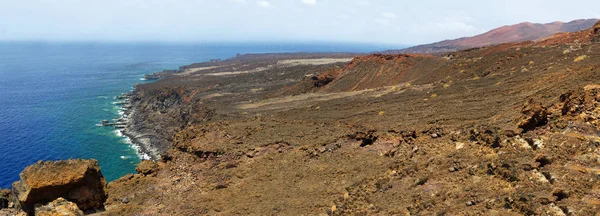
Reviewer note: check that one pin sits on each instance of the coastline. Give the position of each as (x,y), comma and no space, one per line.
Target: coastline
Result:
(142,143)
(124,126)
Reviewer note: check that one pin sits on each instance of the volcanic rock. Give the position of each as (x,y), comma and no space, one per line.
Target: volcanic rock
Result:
(146,167)
(79,181)
(534,115)
(59,207)
(4,198)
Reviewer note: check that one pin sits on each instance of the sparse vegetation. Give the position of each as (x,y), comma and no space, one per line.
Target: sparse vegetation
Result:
(580,58)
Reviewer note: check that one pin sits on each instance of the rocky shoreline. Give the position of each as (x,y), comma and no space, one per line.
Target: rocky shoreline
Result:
(141,142)
(125,125)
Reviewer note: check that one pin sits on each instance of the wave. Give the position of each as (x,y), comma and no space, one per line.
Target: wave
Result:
(103,97)
(136,147)
(119,133)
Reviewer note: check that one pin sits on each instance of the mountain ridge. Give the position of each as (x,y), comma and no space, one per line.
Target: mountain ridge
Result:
(525,31)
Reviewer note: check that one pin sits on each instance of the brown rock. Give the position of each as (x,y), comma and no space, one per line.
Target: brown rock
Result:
(59,207)
(79,181)
(534,115)
(4,198)
(146,167)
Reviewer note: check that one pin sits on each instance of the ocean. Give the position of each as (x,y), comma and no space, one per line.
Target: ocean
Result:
(52,95)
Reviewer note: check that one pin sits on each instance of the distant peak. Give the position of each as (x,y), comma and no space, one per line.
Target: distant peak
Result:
(525,31)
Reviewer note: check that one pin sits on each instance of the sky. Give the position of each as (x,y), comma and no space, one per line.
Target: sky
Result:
(362,21)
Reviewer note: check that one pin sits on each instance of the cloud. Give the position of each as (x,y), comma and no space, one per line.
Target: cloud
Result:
(309,2)
(263,3)
(364,2)
(385,18)
(239,1)
(456,24)
(382,21)
(389,15)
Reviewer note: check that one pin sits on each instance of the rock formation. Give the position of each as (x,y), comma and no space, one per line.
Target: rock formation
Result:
(79,181)
(4,198)
(146,167)
(59,207)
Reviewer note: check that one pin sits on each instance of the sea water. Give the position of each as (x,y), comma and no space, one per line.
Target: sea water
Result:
(52,95)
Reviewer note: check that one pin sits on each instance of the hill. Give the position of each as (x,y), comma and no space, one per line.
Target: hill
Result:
(513,33)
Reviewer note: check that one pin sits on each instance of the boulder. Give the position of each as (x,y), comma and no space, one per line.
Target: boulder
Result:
(59,207)
(533,115)
(79,181)
(146,167)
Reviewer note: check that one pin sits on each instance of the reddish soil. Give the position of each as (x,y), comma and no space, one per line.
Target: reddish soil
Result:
(505,34)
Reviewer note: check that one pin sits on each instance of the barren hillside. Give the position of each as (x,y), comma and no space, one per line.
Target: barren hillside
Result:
(513,33)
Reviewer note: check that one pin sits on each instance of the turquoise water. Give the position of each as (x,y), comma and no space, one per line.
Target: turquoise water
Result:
(53,94)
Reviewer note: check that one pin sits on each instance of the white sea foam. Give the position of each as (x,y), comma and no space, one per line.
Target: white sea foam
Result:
(143,79)
(103,97)
(119,133)
(137,149)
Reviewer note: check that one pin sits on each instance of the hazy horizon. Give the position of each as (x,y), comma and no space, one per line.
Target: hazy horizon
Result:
(320,21)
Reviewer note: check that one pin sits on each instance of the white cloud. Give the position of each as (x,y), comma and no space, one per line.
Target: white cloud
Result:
(309,2)
(385,18)
(456,24)
(263,3)
(363,3)
(382,21)
(389,15)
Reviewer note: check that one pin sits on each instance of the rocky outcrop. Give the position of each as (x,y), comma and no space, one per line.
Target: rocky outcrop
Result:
(59,207)
(4,198)
(159,112)
(534,115)
(146,167)
(79,181)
